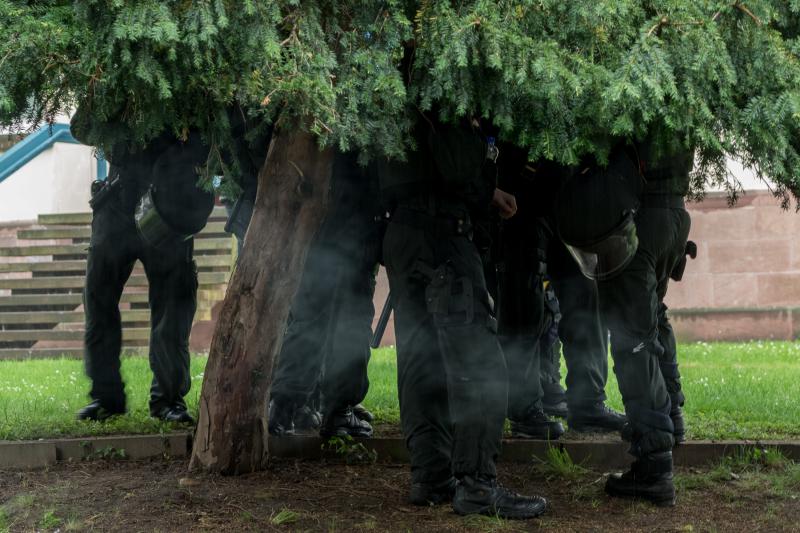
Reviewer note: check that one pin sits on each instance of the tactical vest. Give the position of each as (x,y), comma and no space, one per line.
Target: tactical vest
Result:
(595,200)
(450,161)
(180,201)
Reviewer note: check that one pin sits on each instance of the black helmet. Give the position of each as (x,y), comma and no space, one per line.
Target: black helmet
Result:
(175,207)
(595,216)
(610,254)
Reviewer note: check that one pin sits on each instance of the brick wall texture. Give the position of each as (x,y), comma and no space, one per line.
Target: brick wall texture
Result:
(744,283)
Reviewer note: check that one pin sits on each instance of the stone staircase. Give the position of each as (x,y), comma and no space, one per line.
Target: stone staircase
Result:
(42,271)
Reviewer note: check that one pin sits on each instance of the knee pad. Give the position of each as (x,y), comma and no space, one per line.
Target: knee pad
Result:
(651,429)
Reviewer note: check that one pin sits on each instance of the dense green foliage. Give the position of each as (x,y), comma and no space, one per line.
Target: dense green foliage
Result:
(563,79)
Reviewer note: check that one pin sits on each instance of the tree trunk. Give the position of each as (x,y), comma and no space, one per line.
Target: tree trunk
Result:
(231,435)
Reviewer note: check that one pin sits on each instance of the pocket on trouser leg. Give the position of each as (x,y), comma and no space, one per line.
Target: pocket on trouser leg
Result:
(450,299)
(454,301)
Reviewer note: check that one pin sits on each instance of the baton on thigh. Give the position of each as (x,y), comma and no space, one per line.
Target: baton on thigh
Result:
(380,328)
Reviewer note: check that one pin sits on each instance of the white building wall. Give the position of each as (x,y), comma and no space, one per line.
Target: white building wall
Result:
(56,181)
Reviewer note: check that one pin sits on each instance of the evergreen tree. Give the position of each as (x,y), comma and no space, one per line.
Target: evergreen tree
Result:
(559,78)
(564,80)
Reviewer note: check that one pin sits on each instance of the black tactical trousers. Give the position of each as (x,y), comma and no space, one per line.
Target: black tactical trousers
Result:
(631,304)
(451,372)
(668,361)
(520,321)
(330,322)
(172,276)
(550,351)
(581,331)
(550,372)
(521,310)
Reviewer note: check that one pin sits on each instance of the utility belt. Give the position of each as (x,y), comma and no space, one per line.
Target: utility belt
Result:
(663,200)
(102,191)
(441,223)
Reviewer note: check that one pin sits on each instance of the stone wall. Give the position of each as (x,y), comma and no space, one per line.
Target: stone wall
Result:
(744,283)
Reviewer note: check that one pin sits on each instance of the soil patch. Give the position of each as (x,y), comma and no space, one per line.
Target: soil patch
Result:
(332,496)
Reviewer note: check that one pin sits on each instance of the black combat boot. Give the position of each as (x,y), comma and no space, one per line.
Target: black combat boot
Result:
(99,411)
(536,425)
(650,478)
(482,495)
(306,418)
(432,493)
(281,418)
(361,412)
(596,417)
(344,422)
(177,414)
(558,409)
(554,400)
(679,433)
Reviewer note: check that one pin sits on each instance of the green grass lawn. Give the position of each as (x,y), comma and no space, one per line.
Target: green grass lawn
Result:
(749,390)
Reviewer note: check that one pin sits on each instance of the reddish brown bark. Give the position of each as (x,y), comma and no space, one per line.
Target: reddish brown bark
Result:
(231,435)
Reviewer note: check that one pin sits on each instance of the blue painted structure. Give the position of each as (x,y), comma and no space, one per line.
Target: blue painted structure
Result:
(34,144)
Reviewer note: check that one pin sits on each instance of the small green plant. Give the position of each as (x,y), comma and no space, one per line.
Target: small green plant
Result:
(693,482)
(108,453)
(370,524)
(350,450)
(74,524)
(788,483)
(558,463)
(589,492)
(49,520)
(5,522)
(747,458)
(749,469)
(285,516)
(488,524)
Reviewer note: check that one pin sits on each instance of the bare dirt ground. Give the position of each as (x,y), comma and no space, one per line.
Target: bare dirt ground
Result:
(120,495)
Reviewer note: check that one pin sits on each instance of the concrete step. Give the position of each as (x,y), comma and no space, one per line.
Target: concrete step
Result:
(77,282)
(47,249)
(44,266)
(65,219)
(203,261)
(67,317)
(200,245)
(40,300)
(50,353)
(83,219)
(84,232)
(71,232)
(128,334)
(205,298)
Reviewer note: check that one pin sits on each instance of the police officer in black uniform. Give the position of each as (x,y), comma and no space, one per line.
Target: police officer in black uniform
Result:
(529,251)
(645,227)
(161,179)
(330,321)
(584,339)
(451,372)
(520,263)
